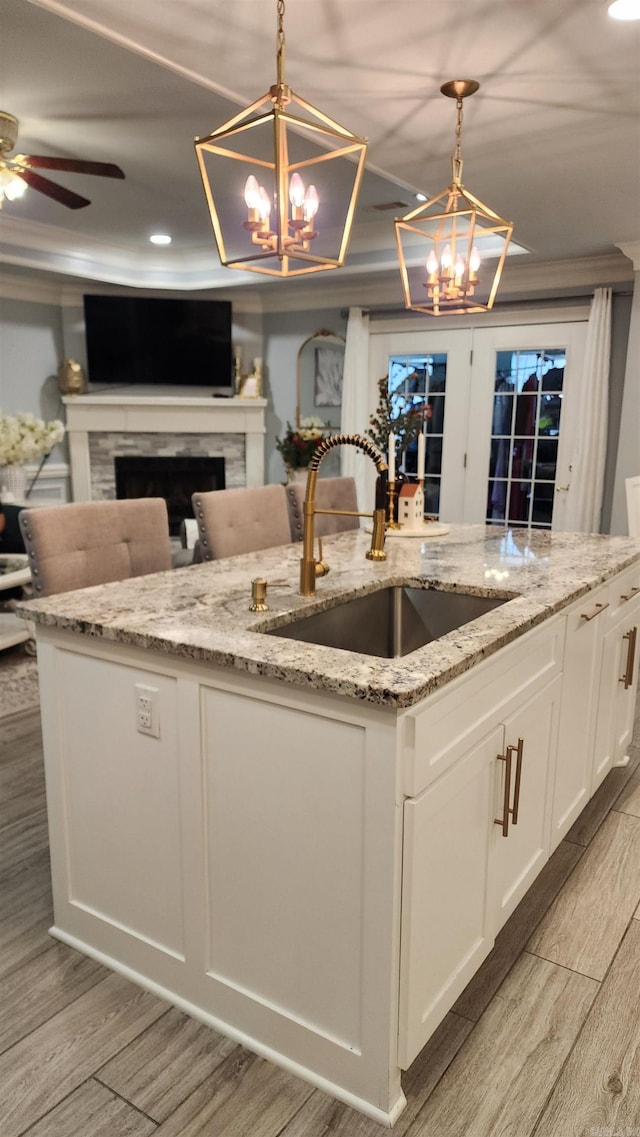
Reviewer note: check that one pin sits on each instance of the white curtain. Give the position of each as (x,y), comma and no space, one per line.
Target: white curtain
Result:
(584,496)
(355,401)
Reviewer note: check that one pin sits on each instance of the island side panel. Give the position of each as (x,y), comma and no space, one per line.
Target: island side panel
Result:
(114,809)
(261,890)
(301,798)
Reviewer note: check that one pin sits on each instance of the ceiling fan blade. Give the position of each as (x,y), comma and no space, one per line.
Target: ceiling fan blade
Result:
(74,165)
(51,189)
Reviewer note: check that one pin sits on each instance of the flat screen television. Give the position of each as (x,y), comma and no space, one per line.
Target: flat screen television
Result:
(151,340)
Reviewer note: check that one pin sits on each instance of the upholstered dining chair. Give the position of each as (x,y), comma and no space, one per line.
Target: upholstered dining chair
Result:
(241,520)
(632,488)
(74,546)
(331,493)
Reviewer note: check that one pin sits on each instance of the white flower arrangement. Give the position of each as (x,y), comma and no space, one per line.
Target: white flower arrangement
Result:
(23,436)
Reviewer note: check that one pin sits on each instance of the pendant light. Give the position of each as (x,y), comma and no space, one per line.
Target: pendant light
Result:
(281,181)
(447,246)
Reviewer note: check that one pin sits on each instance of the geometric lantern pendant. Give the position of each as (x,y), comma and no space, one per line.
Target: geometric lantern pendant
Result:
(452,248)
(281,181)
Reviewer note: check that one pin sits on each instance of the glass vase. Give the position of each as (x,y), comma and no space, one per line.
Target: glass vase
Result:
(297,475)
(13,483)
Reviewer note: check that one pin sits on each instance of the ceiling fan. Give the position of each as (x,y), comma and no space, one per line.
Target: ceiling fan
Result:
(16,173)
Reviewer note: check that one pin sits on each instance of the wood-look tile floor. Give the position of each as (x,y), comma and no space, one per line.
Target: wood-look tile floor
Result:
(544,1041)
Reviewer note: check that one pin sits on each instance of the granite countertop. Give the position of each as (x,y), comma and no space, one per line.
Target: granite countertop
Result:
(202,612)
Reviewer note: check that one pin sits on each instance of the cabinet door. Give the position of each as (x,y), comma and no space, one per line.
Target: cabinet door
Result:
(627,682)
(517,858)
(616,699)
(573,770)
(446,921)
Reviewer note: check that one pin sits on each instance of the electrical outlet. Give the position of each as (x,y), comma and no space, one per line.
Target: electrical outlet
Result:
(147,716)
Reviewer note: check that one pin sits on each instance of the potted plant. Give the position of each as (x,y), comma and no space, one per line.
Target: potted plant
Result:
(398,414)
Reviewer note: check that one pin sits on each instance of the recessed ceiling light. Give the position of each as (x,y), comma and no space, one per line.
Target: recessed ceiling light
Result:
(421,197)
(160,239)
(625,10)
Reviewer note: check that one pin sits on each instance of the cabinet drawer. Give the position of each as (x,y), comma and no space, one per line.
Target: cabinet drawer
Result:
(624,594)
(440,731)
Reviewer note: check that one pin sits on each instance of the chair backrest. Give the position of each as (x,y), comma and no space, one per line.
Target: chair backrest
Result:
(331,493)
(74,546)
(241,521)
(632,487)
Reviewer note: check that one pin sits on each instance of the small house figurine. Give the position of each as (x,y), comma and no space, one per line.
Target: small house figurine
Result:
(411,506)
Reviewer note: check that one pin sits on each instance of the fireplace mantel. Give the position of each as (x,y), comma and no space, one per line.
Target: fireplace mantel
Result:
(139,410)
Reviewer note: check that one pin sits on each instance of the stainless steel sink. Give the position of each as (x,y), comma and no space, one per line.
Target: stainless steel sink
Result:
(391,622)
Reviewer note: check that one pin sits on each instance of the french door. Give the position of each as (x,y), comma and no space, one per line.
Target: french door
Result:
(503,406)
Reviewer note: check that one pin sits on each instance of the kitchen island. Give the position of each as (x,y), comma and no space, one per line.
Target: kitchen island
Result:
(308,848)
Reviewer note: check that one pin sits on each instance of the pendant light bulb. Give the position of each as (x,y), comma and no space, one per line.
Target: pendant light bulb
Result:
(264,205)
(251,192)
(432,264)
(296,191)
(311,203)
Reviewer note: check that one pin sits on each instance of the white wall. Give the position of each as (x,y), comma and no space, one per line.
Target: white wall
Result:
(628,451)
(284,333)
(30,351)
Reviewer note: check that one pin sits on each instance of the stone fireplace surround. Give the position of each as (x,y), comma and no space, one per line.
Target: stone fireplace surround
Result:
(142,420)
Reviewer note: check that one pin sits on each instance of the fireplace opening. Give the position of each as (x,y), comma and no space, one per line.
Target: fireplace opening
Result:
(175,479)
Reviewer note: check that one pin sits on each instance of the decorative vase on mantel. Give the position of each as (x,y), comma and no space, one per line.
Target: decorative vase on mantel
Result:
(13,483)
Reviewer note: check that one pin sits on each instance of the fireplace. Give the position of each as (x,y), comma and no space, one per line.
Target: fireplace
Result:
(175,479)
(144,423)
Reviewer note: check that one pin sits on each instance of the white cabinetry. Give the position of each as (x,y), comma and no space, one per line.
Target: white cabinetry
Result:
(498,766)
(447,924)
(520,844)
(476,837)
(618,674)
(580,685)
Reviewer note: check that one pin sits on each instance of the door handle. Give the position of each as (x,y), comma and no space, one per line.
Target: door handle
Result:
(507,809)
(599,608)
(519,749)
(627,678)
(504,820)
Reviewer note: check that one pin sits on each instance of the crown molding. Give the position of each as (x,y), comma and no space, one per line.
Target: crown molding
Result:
(367,280)
(54,249)
(523,279)
(631,249)
(33,289)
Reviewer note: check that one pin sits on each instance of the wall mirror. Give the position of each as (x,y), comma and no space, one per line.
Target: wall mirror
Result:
(319,378)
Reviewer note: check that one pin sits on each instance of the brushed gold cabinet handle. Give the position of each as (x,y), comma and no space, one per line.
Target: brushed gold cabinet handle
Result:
(504,820)
(630,595)
(519,749)
(627,678)
(599,608)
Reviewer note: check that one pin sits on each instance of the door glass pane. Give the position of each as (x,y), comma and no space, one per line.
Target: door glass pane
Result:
(524,437)
(419,382)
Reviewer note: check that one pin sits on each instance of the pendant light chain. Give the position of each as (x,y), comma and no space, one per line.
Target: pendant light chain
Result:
(456,160)
(281,42)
